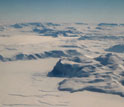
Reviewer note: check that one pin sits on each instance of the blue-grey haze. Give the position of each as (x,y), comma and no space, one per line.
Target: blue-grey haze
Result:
(91,11)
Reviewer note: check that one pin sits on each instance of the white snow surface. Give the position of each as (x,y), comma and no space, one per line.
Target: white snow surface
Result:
(61,65)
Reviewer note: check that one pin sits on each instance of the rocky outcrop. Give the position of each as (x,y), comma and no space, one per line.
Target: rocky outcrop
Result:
(101,74)
(74,67)
(116,48)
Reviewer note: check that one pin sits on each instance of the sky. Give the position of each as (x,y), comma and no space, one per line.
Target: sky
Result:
(90,11)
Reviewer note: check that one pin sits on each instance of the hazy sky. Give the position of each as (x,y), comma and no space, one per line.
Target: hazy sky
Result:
(62,10)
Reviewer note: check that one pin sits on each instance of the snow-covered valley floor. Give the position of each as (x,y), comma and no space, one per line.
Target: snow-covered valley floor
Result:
(25,84)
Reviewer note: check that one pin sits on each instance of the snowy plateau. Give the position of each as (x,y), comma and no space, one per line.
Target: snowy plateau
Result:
(62,65)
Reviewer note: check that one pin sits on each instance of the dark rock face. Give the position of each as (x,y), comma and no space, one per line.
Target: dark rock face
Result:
(46,54)
(17,26)
(73,67)
(1,58)
(30,57)
(107,24)
(20,56)
(116,48)
(54,53)
(100,37)
(53,24)
(109,58)
(65,69)
(73,52)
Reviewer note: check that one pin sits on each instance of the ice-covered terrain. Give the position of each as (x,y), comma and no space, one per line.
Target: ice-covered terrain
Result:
(102,74)
(41,63)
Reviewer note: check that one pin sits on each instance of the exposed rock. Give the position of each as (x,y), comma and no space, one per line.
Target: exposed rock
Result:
(100,37)
(46,54)
(107,24)
(54,53)
(17,26)
(111,60)
(74,67)
(116,48)
(73,52)
(1,58)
